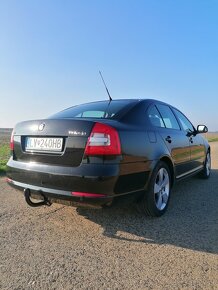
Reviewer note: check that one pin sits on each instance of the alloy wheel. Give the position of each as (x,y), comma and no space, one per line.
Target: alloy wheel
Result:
(162,188)
(208,164)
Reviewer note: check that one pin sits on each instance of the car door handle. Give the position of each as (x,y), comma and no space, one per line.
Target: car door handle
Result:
(168,139)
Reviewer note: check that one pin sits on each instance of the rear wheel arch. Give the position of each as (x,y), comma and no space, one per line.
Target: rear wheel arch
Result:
(170,165)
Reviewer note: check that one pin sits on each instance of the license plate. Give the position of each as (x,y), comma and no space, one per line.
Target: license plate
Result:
(44,144)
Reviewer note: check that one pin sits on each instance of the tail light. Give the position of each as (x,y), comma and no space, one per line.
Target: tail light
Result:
(103,140)
(12,141)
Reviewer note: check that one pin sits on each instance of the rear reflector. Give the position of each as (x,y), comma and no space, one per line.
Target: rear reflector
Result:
(87,194)
(104,140)
(12,141)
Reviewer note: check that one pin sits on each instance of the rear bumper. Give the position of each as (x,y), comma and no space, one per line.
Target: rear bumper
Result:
(58,183)
(84,178)
(58,196)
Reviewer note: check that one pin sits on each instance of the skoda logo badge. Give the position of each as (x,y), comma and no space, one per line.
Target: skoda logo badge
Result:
(41,127)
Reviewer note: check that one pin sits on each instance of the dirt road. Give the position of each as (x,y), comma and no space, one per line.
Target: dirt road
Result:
(60,247)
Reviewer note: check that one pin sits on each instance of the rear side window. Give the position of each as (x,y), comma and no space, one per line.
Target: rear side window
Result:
(168,117)
(99,110)
(155,117)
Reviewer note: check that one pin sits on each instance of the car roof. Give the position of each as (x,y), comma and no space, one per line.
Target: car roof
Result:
(129,100)
(134,101)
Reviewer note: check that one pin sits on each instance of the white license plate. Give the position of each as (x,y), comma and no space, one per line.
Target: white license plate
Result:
(44,144)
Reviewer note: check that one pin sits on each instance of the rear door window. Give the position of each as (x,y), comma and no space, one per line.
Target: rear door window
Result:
(168,117)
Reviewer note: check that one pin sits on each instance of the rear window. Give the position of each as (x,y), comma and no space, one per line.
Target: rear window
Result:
(98,110)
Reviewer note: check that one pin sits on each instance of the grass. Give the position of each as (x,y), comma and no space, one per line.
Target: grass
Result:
(4,156)
(211,137)
(4,149)
(215,139)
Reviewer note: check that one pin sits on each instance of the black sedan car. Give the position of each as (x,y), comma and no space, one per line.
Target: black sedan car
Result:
(95,152)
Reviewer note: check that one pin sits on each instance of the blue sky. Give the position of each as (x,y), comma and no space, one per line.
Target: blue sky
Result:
(51,52)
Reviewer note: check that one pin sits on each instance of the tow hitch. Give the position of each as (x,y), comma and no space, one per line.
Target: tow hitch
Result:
(27,196)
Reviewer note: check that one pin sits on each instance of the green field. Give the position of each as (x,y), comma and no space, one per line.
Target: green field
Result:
(4,156)
(211,137)
(4,148)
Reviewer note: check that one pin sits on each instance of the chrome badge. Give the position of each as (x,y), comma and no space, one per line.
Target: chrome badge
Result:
(41,127)
(77,133)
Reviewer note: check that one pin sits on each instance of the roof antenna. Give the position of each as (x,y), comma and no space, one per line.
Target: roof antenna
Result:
(110,99)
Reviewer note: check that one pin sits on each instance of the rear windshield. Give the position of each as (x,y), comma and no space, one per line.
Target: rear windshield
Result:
(99,110)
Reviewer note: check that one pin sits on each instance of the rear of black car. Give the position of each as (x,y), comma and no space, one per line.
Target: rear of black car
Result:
(74,156)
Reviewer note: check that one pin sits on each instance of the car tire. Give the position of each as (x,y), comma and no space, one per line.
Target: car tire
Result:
(156,198)
(205,173)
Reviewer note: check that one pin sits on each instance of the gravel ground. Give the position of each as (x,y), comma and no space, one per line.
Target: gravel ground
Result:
(61,247)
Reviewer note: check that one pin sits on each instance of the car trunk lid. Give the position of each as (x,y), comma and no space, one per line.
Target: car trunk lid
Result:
(52,141)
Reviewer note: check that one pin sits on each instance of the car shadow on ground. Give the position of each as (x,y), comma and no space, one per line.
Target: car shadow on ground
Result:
(191,220)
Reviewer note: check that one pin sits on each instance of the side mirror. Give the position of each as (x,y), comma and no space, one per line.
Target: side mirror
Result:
(202,129)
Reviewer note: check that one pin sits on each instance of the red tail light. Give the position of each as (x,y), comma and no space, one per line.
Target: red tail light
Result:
(104,140)
(12,141)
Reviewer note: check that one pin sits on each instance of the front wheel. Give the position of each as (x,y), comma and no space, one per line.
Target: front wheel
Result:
(205,173)
(156,199)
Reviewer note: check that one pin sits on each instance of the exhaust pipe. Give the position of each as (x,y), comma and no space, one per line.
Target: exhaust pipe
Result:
(27,196)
